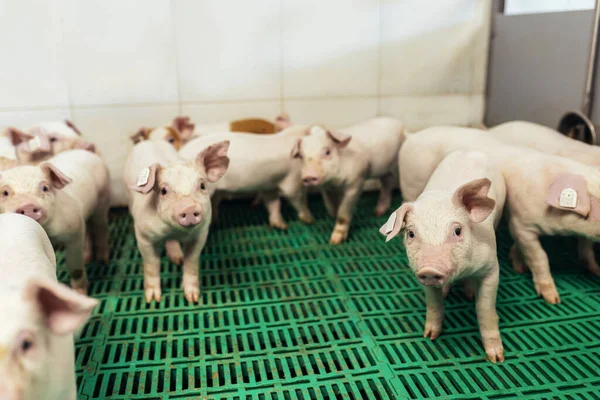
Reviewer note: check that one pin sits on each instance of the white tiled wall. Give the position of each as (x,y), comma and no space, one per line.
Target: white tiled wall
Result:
(115,65)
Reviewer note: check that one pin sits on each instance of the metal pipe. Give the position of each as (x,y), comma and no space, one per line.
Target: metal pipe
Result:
(588,96)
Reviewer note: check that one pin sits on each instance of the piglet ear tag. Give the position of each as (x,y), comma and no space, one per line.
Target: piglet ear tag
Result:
(568,198)
(35,144)
(143,177)
(389,225)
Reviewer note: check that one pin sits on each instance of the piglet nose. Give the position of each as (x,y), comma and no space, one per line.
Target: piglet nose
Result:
(310,180)
(431,277)
(189,216)
(32,211)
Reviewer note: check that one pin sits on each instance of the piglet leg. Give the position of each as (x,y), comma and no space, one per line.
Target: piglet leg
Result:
(191,267)
(332,201)
(257,200)
(88,247)
(517,260)
(273,206)
(344,215)
(486,292)
(299,201)
(537,260)
(434,300)
(74,250)
(296,194)
(588,256)
(215,202)
(385,194)
(99,233)
(151,266)
(174,252)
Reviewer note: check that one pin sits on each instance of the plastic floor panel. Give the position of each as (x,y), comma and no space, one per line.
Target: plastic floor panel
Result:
(286,316)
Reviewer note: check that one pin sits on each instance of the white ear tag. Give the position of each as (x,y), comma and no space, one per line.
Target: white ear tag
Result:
(35,144)
(389,225)
(143,177)
(568,198)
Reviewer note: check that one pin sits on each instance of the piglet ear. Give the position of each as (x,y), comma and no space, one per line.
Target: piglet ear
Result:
(395,222)
(473,197)
(282,121)
(63,309)
(296,150)
(184,126)
(7,163)
(84,145)
(141,135)
(214,160)
(17,136)
(72,126)
(174,137)
(57,178)
(569,192)
(594,209)
(146,179)
(38,144)
(340,139)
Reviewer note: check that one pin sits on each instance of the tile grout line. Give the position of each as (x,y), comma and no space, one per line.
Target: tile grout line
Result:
(176,56)
(281,58)
(221,102)
(379,54)
(62,54)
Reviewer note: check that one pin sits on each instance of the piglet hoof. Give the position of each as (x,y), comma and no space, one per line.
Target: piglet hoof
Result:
(278,224)
(494,350)
(103,256)
(548,291)
(80,286)
(176,259)
(517,260)
(81,290)
(469,292)
(256,202)
(191,291)
(337,237)
(446,290)
(175,253)
(432,330)
(87,256)
(592,266)
(306,218)
(381,210)
(152,293)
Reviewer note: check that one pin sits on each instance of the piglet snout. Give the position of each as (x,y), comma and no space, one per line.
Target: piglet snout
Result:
(189,216)
(431,277)
(310,180)
(32,211)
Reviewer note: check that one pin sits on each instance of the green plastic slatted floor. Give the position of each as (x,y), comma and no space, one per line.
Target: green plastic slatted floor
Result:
(286,316)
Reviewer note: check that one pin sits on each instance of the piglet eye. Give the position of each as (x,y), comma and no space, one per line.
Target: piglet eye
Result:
(53,139)
(45,188)
(5,193)
(327,152)
(171,140)
(163,191)
(411,234)
(457,231)
(202,186)
(26,345)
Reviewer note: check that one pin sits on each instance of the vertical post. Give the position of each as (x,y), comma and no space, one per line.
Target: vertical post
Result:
(588,95)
